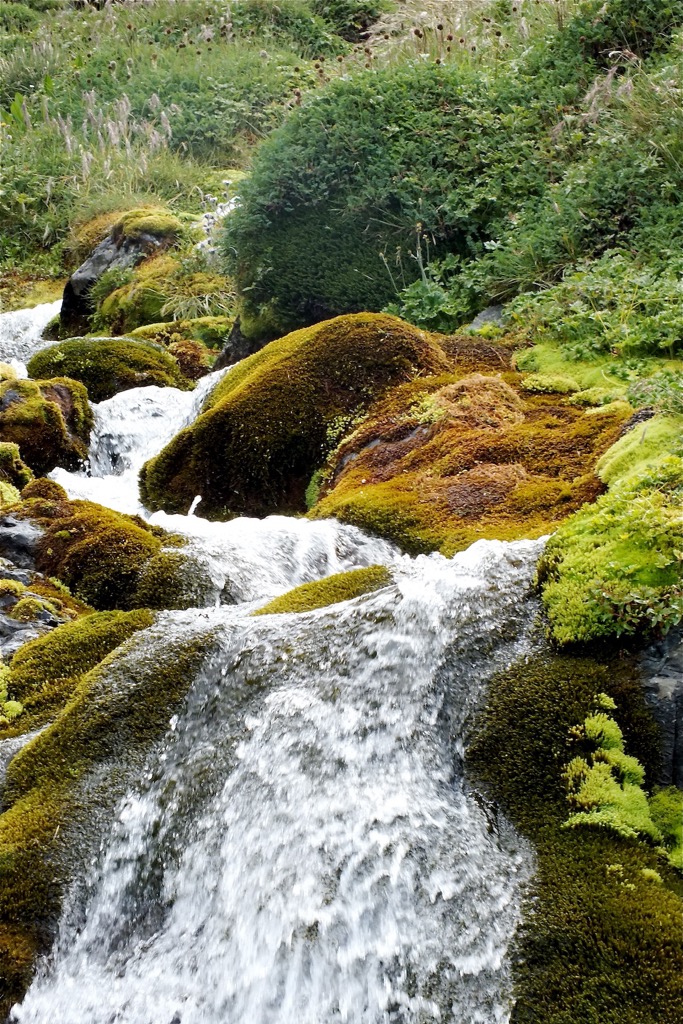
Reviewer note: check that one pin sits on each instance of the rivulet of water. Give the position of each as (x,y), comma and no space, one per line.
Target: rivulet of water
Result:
(304,849)
(21,333)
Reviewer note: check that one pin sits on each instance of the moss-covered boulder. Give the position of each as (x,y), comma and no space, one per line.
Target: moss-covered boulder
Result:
(445,460)
(342,586)
(99,554)
(109,365)
(49,421)
(210,330)
(601,938)
(274,418)
(14,473)
(61,789)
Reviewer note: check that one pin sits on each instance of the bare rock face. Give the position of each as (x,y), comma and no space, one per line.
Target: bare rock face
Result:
(114,253)
(662,665)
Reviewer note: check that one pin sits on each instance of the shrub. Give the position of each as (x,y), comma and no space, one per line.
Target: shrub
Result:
(347,198)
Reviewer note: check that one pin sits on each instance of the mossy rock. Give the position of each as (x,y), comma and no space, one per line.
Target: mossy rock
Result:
(342,586)
(599,940)
(445,460)
(13,470)
(49,421)
(210,330)
(274,418)
(98,553)
(146,220)
(44,673)
(61,789)
(109,365)
(173,580)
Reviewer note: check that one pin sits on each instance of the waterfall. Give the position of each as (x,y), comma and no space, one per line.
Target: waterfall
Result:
(303,847)
(21,333)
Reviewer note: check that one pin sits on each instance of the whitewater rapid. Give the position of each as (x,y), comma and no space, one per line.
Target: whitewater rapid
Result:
(303,847)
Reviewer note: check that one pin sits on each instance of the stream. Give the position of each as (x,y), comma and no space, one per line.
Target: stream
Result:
(303,847)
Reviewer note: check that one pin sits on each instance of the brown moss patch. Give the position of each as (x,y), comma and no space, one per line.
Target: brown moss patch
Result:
(274,418)
(444,461)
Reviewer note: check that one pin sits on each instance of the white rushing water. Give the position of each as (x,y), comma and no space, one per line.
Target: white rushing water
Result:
(303,847)
(21,333)
(304,850)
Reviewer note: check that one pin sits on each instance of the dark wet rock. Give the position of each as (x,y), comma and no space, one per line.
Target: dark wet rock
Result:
(490,315)
(641,416)
(662,665)
(236,347)
(19,541)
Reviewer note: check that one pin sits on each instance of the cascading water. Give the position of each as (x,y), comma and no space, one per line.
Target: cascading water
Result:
(303,846)
(21,333)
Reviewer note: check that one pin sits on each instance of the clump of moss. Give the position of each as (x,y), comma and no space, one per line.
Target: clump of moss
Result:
(604,783)
(615,567)
(445,460)
(115,711)
(547,383)
(146,220)
(44,673)
(48,420)
(109,365)
(599,941)
(273,419)
(98,553)
(172,580)
(210,330)
(342,586)
(13,470)
(44,488)
(29,608)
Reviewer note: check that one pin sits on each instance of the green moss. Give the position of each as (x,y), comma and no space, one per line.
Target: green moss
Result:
(342,586)
(615,567)
(172,580)
(639,450)
(44,488)
(13,587)
(666,808)
(599,941)
(29,608)
(210,330)
(547,383)
(13,470)
(99,554)
(265,427)
(109,365)
(114,713)
(44,673)
(9,495)
(447,460)
(49,421)
(147,220)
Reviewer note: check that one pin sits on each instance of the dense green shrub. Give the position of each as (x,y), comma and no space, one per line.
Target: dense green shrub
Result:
(367,181)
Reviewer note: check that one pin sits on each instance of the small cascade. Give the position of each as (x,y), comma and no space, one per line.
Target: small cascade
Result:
(304,848)
(21,333)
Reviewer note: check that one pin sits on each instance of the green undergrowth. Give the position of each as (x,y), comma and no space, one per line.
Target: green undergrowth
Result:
(342,586)
(605,786)
(271,421)
(63,785)
(616,567)
(109,365)
(602,936)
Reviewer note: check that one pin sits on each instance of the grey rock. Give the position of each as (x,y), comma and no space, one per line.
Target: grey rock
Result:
(111,254)
(236,347)
(662,669)
(18,541)
(490,315)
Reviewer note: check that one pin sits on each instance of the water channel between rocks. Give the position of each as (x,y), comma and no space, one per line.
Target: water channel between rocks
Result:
(303,846)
